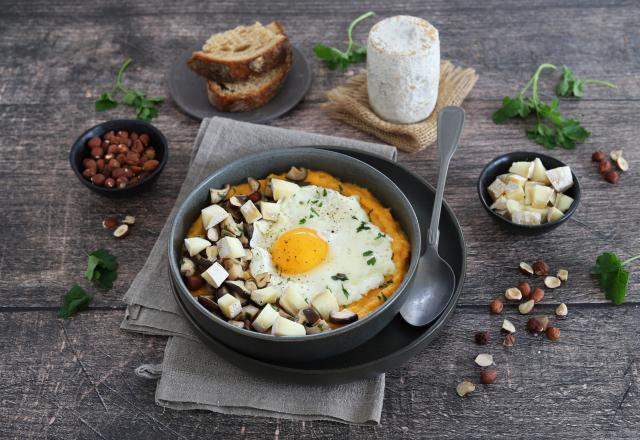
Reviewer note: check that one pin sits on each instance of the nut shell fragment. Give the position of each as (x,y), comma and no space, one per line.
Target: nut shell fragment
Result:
(562,310)
(552,282)
(526,307)
(484,359)
(121,231)
(513,294)
(563,274)
(622,164)
(465,388)
(508,326)
(616,154)
(525,268)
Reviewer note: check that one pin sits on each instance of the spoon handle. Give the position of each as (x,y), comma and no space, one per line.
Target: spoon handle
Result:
(450,123)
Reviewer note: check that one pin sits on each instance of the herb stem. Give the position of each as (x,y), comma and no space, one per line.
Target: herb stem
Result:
(353,25)
(601,83)
(124,66)
(536,76)
(629,260)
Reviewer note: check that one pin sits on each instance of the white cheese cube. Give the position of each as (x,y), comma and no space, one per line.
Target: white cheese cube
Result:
(517,179)
(542,211)
(524,169)
(539,172)
(560,178)
(282,188)
(514,206)
(250,311)
(265,319)
(503,177)
(514,191)
(230,247)
(528,189)
(500,204)
(325,303)
(292,301)
(250,212)
(195,245)
(563,202)
(215,275)
(212,215)
(540,196)
(270,211)
(526,218)
(554,214)
(266,295)
(230,226)
(496,189)
(285,327)
(230,306)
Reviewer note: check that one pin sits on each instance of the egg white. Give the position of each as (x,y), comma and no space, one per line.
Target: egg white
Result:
(357,248)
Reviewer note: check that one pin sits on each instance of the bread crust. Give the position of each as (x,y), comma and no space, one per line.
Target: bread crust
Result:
(242,102)
(220,70)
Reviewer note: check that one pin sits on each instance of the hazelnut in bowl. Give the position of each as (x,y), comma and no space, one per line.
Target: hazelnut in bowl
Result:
(528,193)
(120,157)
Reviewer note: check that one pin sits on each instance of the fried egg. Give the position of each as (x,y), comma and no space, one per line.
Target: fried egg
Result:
(321,240)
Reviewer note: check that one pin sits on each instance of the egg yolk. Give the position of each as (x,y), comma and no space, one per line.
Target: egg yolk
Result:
(299,250)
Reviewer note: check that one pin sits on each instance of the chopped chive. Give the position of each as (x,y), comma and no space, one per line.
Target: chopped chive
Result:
(345,291)
(315,212)
(363,227)
(339,277)
(382,297)
(385,284)
(367,253)
(302,221)
(371,261)
(380,235)
(324,192)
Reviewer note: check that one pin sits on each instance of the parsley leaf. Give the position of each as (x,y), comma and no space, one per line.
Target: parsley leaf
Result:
(612,276)
(355,53)
(570,86)
(146,108)
(380,235)
(363,227)
(339,277)
(102,268)
(367,253)
(74,300)
(302,221)
(371,261)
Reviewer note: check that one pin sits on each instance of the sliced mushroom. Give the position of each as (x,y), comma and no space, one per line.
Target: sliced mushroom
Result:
(250,285)
(254,185)
(311,315)
(245,241)
(250,312)
(230,228)
(255,196)
(319,327)
(187,267)
(220,292)
(243,301)
(201,262)
(297,174)
(262,279)
(284,314)
(248,230)
(234,268)
(213,234)
(237,287)
(237,201)
(344,316)
(208,303)
(218,195)
(268,191)
(239,324)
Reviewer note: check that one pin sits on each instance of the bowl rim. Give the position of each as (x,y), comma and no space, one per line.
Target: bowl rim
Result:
(543,157)
(402,288)
(79,144)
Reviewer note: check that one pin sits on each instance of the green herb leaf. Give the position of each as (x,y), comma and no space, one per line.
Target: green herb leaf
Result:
(302,221)
(367,253)
(371,261)
(363,227)
(612,276)
(105,102)
(74,300)
(380,235)
(570,86)
(335,58)
(324,192)
(339,277)
(102,268)
(385,284)
(345,291)
(382,297)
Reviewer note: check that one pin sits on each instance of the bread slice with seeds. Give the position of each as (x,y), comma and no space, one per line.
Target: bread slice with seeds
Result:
(242,52)
(250,94)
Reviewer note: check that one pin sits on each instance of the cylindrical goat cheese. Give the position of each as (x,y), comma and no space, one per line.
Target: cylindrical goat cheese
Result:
(403,68)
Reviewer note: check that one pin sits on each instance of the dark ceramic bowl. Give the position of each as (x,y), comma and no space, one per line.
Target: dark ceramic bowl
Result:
(500,165)
(157,140)
(309,347)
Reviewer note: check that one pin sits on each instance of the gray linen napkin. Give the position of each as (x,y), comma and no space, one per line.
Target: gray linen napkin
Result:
(188,380)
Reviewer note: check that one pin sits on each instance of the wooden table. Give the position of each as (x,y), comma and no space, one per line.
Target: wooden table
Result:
(74,379)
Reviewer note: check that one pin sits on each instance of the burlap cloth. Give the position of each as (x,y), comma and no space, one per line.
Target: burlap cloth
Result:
(350,103)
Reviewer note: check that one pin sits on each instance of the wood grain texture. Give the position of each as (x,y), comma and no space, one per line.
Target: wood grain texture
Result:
(56,57)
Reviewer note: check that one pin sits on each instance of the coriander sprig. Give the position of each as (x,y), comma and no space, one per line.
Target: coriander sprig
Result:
(146,108)
(355,52)
(612,276)
(570,86)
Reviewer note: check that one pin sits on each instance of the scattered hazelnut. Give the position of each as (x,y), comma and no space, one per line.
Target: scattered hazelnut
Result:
(562,310)
(525,288)
(482,338)
(552,282)
(544,321)
(526,307)
(563,274)
(612,177)
(616,154)
(509,340)
(525,268)
(540,268)
(597,156)
(488,376)
(484,360)
(508,326)
(537,294)
(496,306)
(605,166)
(622,164)
(121,231)
(195,282)
(465,388)
(553,333)
(129,220)
(513,294)
(110,222)
(534,325)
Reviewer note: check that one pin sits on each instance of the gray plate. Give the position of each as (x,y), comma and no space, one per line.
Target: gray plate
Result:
(189,91)
(397,342)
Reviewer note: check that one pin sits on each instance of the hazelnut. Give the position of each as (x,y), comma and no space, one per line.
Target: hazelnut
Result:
(525,268)
(534,325)
(597,156)
(465,388)
(121,231)
(563,274)
(488,376)
(195,282)
(98,179)
(513,294)
(110,182)
(553,333)
(552,282)
(509,340)
(526,307)
(110,222)
(508,326)
(540,268)
(94,142)
(129,220)
(525,288)
(612,177)
(496,306)
(605,166)
(544,320)
(562,310)
(537,294)
(482,338)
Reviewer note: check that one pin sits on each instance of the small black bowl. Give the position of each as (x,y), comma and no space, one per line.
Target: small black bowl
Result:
(500,165)
(79,152)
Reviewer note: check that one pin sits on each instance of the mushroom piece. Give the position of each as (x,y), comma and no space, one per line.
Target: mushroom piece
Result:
(237,287)
(319,327)
(201,262)
(208,303)
(310,315)
(254,185)
(297,173)
(239,324)
(268,191)
(344,316)
(218,195)
(187,267)
(237,201)
(213,234)
(220,292)
(262,279)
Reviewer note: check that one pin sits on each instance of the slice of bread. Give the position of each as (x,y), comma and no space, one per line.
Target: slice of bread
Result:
(242,52)
(250,94)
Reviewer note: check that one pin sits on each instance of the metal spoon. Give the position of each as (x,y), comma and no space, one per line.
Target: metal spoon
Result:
(434,279)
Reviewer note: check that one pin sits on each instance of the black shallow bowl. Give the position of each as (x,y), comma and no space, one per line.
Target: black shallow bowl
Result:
(157,140)
(308,347)
(500,165)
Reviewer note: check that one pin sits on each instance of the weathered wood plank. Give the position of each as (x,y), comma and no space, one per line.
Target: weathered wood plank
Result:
(583,386)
